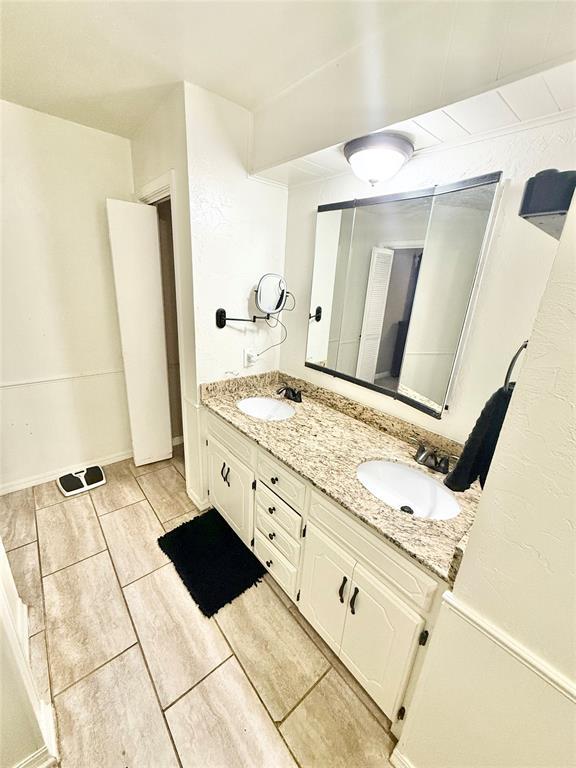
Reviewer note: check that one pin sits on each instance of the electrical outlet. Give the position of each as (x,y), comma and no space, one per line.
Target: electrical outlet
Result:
(250,357)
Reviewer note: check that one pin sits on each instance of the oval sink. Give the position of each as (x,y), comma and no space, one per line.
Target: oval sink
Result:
(399,485)
(266,408)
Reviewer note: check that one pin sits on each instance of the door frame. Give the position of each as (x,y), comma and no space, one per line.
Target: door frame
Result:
(162,188)
(157,190)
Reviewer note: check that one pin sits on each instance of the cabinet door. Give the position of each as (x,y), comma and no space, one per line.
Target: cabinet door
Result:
(231,492)
(380,639)
(325,588)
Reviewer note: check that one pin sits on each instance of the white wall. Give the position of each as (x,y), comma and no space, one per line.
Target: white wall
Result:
(21,734)
(158,147)
(503,657)
(63,398)
(238,227)
(229,230)
(27,727)
(518,263)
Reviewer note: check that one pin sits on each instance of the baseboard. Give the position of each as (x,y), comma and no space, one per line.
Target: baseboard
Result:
(47,723)
(398,760)
(201,504)
(22,627)
(46,477)
(177,440)
(39,759)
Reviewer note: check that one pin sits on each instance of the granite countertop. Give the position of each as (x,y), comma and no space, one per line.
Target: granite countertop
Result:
(325,445)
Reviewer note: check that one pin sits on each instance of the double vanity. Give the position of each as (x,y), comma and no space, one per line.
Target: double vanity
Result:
(327,494)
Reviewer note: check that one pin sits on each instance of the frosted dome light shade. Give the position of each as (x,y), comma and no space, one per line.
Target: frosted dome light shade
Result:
(379,156)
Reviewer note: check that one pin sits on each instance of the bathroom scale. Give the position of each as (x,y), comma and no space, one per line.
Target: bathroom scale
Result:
(80,481)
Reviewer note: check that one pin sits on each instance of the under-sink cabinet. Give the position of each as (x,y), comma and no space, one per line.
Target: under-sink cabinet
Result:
(231,492)
(372,604)
(374,632)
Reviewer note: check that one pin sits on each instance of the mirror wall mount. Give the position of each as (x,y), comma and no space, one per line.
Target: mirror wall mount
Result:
(270,297)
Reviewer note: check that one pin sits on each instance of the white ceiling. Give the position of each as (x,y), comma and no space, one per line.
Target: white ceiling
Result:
(538,96)
(107,64)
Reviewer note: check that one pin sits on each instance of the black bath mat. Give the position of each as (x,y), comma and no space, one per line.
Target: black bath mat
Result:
(214,564)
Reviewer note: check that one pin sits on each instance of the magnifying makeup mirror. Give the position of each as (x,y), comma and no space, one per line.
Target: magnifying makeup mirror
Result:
(271,294)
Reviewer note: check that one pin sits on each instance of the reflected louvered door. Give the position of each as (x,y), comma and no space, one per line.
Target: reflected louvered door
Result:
(374,309)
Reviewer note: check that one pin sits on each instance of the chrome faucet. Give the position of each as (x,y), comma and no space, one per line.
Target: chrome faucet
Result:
(290,393)
(430,458)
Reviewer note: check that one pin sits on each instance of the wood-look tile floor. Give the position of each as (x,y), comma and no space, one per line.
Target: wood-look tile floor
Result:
(138,677)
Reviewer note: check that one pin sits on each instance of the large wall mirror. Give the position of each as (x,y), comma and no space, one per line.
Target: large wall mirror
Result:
(394,277)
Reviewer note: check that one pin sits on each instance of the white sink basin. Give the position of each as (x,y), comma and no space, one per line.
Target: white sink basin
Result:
(399,485)
(266,408)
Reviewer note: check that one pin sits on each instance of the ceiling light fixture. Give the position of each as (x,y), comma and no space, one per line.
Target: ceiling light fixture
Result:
(379,156)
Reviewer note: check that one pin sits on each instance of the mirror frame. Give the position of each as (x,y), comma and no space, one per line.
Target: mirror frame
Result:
(477,181)
(281,282)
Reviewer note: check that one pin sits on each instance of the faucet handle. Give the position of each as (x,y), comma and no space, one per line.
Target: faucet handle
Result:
(421,453)
(443,465)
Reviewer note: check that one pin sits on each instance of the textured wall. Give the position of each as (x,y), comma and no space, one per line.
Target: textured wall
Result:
(499,688)
(519,569)
(238,230)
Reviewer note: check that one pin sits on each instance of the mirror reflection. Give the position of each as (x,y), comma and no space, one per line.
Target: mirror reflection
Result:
(394,280)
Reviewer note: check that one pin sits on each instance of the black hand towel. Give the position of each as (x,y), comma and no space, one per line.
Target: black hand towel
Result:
(479,448)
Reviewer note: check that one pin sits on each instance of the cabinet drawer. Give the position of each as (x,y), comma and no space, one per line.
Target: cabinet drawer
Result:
(279,511)
(277,537)
(231,439)
(282,481)
(277,565)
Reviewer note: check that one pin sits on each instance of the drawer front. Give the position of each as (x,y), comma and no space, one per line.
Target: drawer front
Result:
(277,537)
(231,439)
(277,565)
(378,554)
(282,481)
(278,510)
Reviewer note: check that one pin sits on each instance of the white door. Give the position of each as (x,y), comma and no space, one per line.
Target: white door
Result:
(231,492)
(380,639)
(135,249)
(325,589)
(374,309)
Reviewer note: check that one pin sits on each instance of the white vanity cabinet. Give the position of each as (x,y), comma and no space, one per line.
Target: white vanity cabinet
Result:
(380,639)
(372,604)
(230,482)
(374,632)
(325,587)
